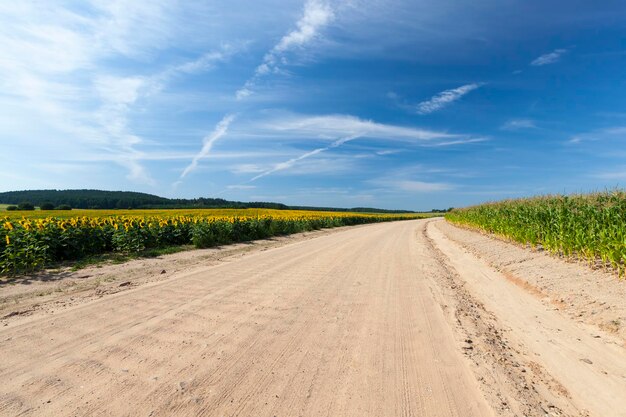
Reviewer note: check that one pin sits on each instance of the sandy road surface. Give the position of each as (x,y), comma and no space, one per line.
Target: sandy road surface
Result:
(380,320)
(342,325)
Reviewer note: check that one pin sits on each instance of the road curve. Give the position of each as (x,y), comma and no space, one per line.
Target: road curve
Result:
(341,325)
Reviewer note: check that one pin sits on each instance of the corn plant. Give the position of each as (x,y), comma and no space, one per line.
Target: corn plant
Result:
(591,227)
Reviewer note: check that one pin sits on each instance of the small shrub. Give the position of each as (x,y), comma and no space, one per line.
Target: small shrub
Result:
(26,206)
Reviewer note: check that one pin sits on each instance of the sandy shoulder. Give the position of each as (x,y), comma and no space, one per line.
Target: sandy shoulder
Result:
(595,297)
(583,365)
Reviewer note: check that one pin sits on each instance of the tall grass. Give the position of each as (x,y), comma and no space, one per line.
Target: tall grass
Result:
(586,226)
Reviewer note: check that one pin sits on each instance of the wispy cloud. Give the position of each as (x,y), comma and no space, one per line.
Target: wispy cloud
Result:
(395,184)
(463,141)
(549,58)
(618,174)
(342,129)
(387,152)
(577,139)
(119,94)
(247,169)
(50,59)
(606,133)
(421,186)
(517,124)
(335,126)
(416,178)
(220,130)
(443,99)
(413,179)
(316,15)
(63,63)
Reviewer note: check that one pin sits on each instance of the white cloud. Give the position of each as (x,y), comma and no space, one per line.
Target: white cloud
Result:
(119,90)
(220,130)
(48,38)
(441,100)
(133,29)
(244,92)
(117,95)
(55,60)
(136,171)
(516,124)
(576,139)
(205,62)
(549,58)
(338,125)
(316,15)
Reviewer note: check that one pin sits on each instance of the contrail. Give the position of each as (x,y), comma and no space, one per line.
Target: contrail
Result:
(316,15)
(288,164)
(220,130)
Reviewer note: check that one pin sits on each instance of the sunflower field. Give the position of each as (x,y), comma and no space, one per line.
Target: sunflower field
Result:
(33,242)
(590,227)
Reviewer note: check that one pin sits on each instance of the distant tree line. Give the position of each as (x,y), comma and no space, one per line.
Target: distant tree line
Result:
(98,199)
(353,209)
(442,210)
(83,199)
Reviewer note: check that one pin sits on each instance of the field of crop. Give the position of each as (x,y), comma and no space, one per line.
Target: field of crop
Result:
(33,241)
(590,227)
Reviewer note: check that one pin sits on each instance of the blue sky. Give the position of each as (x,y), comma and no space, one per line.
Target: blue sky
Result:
(392,104)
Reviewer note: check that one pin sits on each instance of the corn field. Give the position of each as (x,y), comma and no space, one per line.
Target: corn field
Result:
(35,242)
(589,227)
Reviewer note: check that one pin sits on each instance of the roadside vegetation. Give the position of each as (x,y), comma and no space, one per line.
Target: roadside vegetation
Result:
(590,227)
(36,242)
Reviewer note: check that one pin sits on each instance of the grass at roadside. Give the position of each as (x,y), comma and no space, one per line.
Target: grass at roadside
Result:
(118,258)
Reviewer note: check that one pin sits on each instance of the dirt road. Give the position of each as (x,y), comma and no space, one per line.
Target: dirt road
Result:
(378,320)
